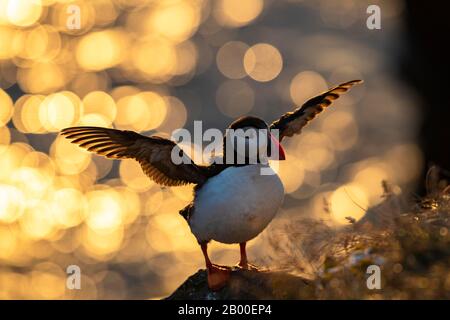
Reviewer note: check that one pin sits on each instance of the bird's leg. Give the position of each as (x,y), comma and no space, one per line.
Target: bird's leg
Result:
(217,276)
(244,262)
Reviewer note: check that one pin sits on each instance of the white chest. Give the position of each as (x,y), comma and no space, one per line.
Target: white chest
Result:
(236,205)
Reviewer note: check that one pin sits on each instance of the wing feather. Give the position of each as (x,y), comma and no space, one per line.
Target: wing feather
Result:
(153,153)
(293,122)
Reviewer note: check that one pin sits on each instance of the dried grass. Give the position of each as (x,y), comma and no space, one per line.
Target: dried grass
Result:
(408,238)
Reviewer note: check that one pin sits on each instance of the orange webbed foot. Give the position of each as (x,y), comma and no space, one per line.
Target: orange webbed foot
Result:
(218,277)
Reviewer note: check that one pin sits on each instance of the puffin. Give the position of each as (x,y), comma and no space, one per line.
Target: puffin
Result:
(233,201)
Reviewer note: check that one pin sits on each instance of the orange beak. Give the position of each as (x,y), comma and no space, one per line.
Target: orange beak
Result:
(277,144)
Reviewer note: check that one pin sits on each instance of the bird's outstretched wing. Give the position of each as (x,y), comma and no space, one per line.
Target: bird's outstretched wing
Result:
(153,153)
(292,122)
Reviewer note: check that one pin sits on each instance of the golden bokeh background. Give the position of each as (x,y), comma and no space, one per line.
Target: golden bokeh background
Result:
(156,66)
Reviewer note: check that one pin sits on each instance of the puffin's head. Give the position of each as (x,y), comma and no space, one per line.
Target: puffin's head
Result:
(251,140)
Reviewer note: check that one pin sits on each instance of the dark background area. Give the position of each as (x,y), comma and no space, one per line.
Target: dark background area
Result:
(425,65)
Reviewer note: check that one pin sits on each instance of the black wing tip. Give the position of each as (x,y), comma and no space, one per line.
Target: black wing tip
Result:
(82,127)
(69,130)
(353,82)
(345,86)
(66,131)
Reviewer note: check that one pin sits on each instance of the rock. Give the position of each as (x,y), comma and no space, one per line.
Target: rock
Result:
(246,285)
